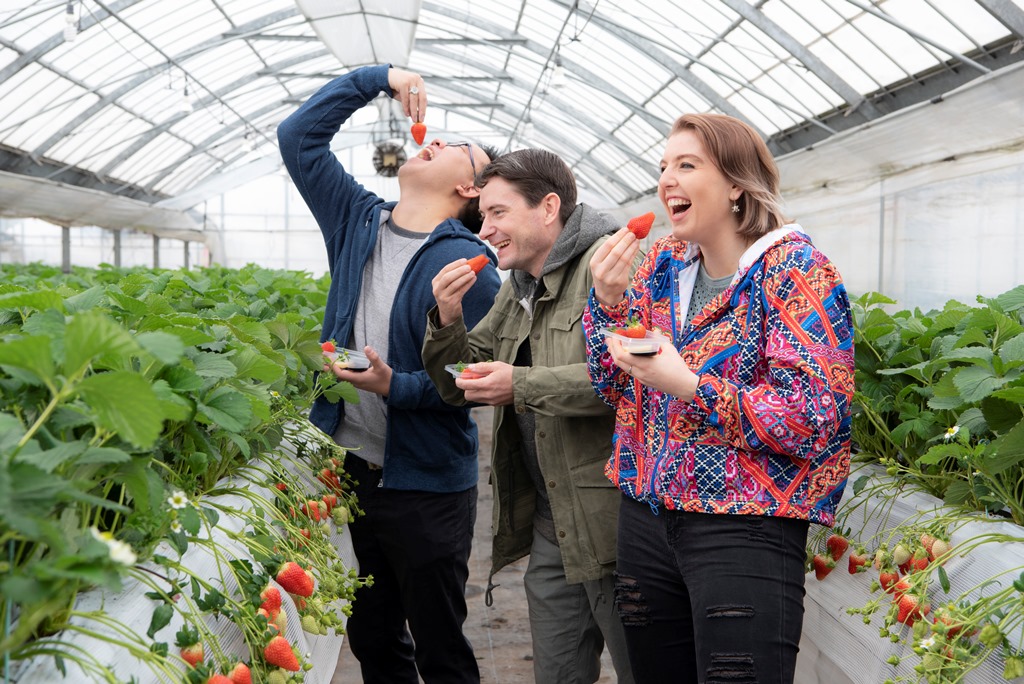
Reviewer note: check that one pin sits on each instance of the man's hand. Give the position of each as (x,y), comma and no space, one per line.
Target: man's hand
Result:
(376,378)
(611,266)
(494,389)
(450,286)
(402,84)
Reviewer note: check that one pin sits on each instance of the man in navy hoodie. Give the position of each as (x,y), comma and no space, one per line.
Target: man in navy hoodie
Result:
(417,459)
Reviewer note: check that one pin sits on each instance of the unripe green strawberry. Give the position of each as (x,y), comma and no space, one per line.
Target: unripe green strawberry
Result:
(310,625)
(341,515)
(277,677)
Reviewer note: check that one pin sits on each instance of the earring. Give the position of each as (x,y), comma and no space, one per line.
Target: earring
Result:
(735,207)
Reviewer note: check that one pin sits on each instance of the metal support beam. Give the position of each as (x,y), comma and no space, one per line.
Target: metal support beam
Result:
(186,243)
(156,251)
(1008,13)
(65,249)
(117,248)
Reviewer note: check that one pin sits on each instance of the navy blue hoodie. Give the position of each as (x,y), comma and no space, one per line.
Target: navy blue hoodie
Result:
(430,445)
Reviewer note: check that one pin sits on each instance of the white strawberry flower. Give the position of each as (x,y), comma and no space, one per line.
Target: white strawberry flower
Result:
(951,433)
(120,552)
(928,643)
(175,526)
(177,500)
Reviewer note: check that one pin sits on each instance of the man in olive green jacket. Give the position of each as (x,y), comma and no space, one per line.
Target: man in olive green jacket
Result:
(552,435)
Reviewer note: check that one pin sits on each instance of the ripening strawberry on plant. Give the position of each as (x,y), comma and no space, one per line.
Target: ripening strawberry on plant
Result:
(823,565)
(294,579)
(278,652)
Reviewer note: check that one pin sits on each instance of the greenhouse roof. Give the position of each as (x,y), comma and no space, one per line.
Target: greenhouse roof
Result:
(167,103)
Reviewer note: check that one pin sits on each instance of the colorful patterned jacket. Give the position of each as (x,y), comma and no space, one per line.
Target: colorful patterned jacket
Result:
(768,431)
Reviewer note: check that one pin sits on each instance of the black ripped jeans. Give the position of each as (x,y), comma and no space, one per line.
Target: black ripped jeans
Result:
(710,599)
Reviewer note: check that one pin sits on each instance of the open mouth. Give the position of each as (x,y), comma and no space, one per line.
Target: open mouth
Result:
(426,154)
(502,244)
(678,206)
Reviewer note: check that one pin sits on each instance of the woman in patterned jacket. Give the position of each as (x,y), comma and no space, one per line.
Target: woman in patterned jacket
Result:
(736,434)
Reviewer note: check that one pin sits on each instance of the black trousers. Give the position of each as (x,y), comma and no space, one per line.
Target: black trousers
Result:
(416,545)
(710,599)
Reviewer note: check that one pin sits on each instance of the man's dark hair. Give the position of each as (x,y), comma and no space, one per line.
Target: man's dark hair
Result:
(535,173)
(469,215)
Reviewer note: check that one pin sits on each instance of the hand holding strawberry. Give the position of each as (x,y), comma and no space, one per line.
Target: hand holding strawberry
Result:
(634,329)
(478,262)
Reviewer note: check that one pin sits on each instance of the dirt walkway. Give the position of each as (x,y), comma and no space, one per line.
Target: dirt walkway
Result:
(500,634)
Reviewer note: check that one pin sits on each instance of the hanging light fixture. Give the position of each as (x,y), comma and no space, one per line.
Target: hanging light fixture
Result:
(70,23)
(529,130)
(558,77)
(185,103)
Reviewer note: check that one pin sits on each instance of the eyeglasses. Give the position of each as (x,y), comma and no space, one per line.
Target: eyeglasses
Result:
(469,146)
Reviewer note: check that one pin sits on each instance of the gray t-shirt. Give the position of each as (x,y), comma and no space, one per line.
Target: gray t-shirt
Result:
(365,423)
(705,289)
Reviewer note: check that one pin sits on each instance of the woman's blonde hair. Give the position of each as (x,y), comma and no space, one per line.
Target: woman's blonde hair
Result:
(743,158)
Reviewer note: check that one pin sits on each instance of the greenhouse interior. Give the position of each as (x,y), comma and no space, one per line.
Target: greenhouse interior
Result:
(167,303)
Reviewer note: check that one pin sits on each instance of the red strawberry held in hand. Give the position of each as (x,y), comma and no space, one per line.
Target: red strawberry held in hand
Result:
(641,225)
(294,579)
(278,653)
(478,262)
(328,347)
(419,132)
(633,329)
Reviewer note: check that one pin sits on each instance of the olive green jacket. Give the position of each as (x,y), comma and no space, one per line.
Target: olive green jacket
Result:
(574,427)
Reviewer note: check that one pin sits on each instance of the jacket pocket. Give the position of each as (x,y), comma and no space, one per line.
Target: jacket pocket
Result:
(599,506)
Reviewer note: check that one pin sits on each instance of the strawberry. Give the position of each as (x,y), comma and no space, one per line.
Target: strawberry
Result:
(271,599)
(328,347)
(312,510)
(888,578)
(478,262)
(419,132)
(294,579)
(309,624)
(919,561)
(900,555)
(278,653)
(836,545)
(858,562)
(641,225)
(634,329)
(901,587)
(329,479)
(193,654)
(910,609)
(822,566)
(467,374)
(939,548)
(330,500)
(926,541)
(219,679)
(281,486)
(240,674)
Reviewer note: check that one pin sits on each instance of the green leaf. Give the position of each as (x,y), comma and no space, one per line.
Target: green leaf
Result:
(190,520)
(103,455)
(51,459)
(210,365)
(31,354)
(940,452)
(227,408)
(860,483)
(183,379)
(162,615)
(144,486)
(211,515)
(91,334)
(92,298)
(165,347)
(174,407)
(126,404)
(1001,415)
(39,299)
(957,493)
(1005,452)
(130,304)
(977,383)
(943,579)
(1012,350)
(980,356)
(251,364)
(1012,300)
(343,391)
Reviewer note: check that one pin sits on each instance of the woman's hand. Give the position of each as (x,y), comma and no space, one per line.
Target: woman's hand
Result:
(408,88)
(665,371)
(611,267)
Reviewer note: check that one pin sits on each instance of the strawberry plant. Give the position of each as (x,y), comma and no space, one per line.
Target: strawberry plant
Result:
(131,403)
